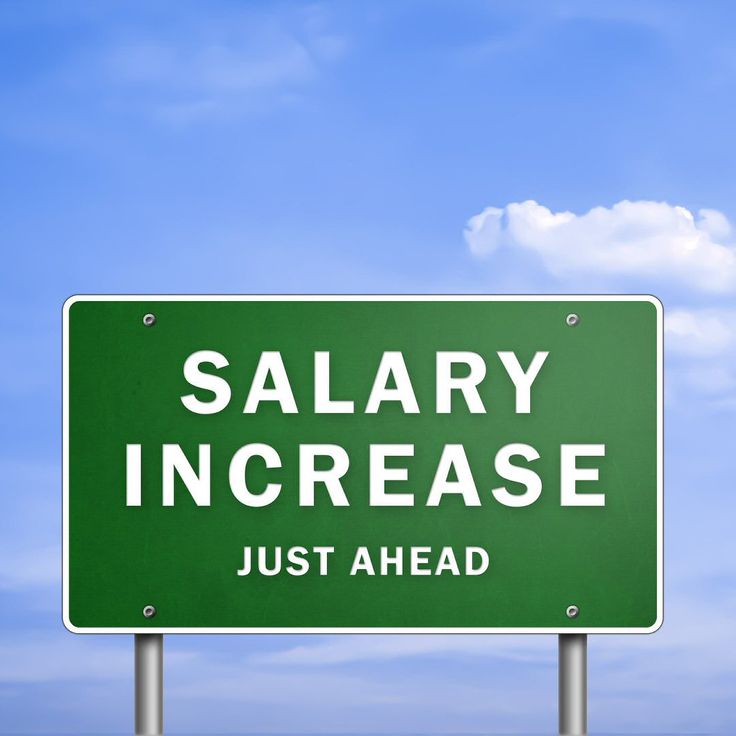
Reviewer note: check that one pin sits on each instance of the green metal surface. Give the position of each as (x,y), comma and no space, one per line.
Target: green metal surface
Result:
(598,385)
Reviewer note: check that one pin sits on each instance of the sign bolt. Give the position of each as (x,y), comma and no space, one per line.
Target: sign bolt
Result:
(571,611)
(149,320)
(572,319)
(149,611)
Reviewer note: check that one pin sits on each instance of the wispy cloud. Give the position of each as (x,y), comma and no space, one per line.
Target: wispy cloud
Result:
(345,649)
(281,687)
(30,547)
(31,567)
(223,68)
(702,345)
(176,69)
(190,81)
(40,656)
(701,332)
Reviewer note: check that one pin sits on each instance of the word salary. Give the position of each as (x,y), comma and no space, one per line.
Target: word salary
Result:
(391,369)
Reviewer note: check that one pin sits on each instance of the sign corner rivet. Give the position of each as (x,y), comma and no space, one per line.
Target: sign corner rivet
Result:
(572,611)
(149,320)
(572,319)
(149,611)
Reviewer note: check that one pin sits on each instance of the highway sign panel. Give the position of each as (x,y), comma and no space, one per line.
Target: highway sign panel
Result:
(362,463)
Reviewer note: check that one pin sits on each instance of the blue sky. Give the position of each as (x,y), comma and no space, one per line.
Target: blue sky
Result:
(371,147)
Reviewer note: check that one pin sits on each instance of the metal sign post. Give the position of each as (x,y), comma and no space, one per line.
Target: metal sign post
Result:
(149,684)
(573,684)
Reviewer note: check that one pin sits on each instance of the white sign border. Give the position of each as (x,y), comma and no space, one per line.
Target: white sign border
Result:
(352,298)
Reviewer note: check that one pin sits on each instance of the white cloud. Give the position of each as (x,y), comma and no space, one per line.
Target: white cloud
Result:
(643,239)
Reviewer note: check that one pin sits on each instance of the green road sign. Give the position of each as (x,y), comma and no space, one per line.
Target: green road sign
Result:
(363,463)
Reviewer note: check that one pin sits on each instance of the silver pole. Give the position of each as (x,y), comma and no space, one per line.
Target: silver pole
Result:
(149,684)
(573,684)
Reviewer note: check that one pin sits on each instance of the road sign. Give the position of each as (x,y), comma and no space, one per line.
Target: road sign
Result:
(362,463)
